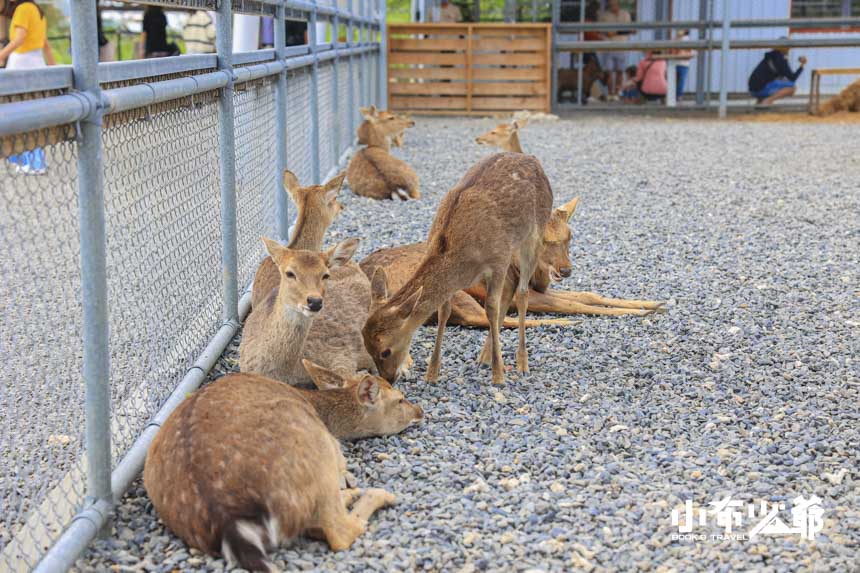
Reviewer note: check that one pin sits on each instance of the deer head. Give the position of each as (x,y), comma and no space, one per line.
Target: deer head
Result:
(316,202)
(388,124)
(503,136)
(364,405)
(387,332)
(303,274)
(554,262)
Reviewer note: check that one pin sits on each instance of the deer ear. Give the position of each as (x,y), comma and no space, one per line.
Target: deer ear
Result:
(333,186)
(567,210)
(368,391)
(406,309)
(323,378)
(341,253)
(274,247)
(379,286)
(291,184)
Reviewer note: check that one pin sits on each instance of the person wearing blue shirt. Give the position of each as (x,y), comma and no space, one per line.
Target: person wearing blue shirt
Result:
(773,78)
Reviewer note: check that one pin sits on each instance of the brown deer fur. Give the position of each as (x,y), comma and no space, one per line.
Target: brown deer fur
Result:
(556,248)
(317,207)
(393,130)
(847,100)
(373,172)
(248,462)
(275,331)
(499,209)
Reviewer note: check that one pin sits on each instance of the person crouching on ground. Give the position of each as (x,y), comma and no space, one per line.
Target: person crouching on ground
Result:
(630,91)
(651,77)
(773,79)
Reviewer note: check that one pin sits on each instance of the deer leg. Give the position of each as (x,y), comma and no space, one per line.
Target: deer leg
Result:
(591,298)
(443,313)
(522,351)
(527,262)
(558,302)
(372,500)
(507,295)
(494,312)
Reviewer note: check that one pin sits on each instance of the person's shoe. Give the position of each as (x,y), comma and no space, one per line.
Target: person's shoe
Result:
(27,170)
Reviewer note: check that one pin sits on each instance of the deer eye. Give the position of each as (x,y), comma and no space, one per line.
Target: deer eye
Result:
(386,353)
(291,275)
(402,401)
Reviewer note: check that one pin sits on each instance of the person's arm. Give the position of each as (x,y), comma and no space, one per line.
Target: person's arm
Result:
(48,53)
(20,37)
(640,68)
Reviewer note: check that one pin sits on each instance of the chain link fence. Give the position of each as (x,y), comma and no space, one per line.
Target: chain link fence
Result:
(145,154)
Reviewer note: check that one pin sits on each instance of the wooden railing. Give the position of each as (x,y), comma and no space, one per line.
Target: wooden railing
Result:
(469,68)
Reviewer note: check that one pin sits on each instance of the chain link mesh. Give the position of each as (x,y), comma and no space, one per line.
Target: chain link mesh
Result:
(299,124)
(256,179)
(163,230)
(325,101)
(41,397)
(162,206)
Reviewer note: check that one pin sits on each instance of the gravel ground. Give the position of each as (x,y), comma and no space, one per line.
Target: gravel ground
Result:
(748,386)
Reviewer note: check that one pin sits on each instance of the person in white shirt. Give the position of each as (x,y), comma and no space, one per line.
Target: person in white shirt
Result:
(614,63)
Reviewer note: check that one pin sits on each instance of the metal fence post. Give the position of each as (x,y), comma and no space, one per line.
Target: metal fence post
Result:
(724,58)
(579,69)
(701,55)
(335,85)
(383,54)
(227,142)
(315,114)
(350,93)
(281,202)
(365,59)
(91,212)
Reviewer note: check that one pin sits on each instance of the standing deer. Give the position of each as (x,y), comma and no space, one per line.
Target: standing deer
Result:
(275,331)
(317,208)
(499,209)
(249,462)
(557,256)
(373,172)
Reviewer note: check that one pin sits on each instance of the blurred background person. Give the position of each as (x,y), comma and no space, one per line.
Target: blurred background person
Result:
(199,33)
(614,62)
(154,35)
(773,78)
(28,49)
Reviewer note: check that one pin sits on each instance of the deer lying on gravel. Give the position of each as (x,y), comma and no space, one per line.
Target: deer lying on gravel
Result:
(317,208)
(249,462)
(275,331)
(499,209)
(557,253)
(394,130)
(373,172)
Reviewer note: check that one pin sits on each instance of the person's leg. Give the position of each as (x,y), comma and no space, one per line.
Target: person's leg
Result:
(681,76)
(777,89)
(784,92)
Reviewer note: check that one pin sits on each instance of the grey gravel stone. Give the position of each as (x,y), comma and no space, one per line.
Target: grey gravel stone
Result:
(748,386)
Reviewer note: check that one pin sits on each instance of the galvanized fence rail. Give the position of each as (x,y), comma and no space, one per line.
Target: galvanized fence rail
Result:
(132,200)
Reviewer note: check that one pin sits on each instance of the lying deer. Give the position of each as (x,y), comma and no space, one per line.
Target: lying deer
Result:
(248,462)
(317,207)
(386,120)
(373,172)
(499,209)
(556,256)
(275,331)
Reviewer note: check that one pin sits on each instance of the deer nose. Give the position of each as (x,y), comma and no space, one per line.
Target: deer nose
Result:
(314,303)
(419,413)
(564,271)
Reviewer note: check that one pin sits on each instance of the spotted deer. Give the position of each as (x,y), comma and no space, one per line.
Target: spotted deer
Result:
(249,462)
(498,210)
(275,331)
(556,256)
(373,172)
(317,207)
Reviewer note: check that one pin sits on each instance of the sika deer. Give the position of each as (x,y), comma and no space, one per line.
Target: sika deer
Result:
(373,172)
(557,247)
(276,329)
(392,125)
(499,209)
(317,208)
(248,462)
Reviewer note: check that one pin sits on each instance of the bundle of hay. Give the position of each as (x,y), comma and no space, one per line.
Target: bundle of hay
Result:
(847,100)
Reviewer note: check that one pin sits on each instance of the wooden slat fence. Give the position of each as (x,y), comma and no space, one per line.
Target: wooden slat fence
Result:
(469,68)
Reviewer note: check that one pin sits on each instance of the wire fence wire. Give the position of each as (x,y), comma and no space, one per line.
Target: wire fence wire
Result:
(162,205)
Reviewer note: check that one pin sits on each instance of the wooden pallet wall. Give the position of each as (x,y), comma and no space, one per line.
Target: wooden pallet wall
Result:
(469,68)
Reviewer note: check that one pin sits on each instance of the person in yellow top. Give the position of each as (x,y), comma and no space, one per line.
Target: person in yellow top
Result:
(28,49)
